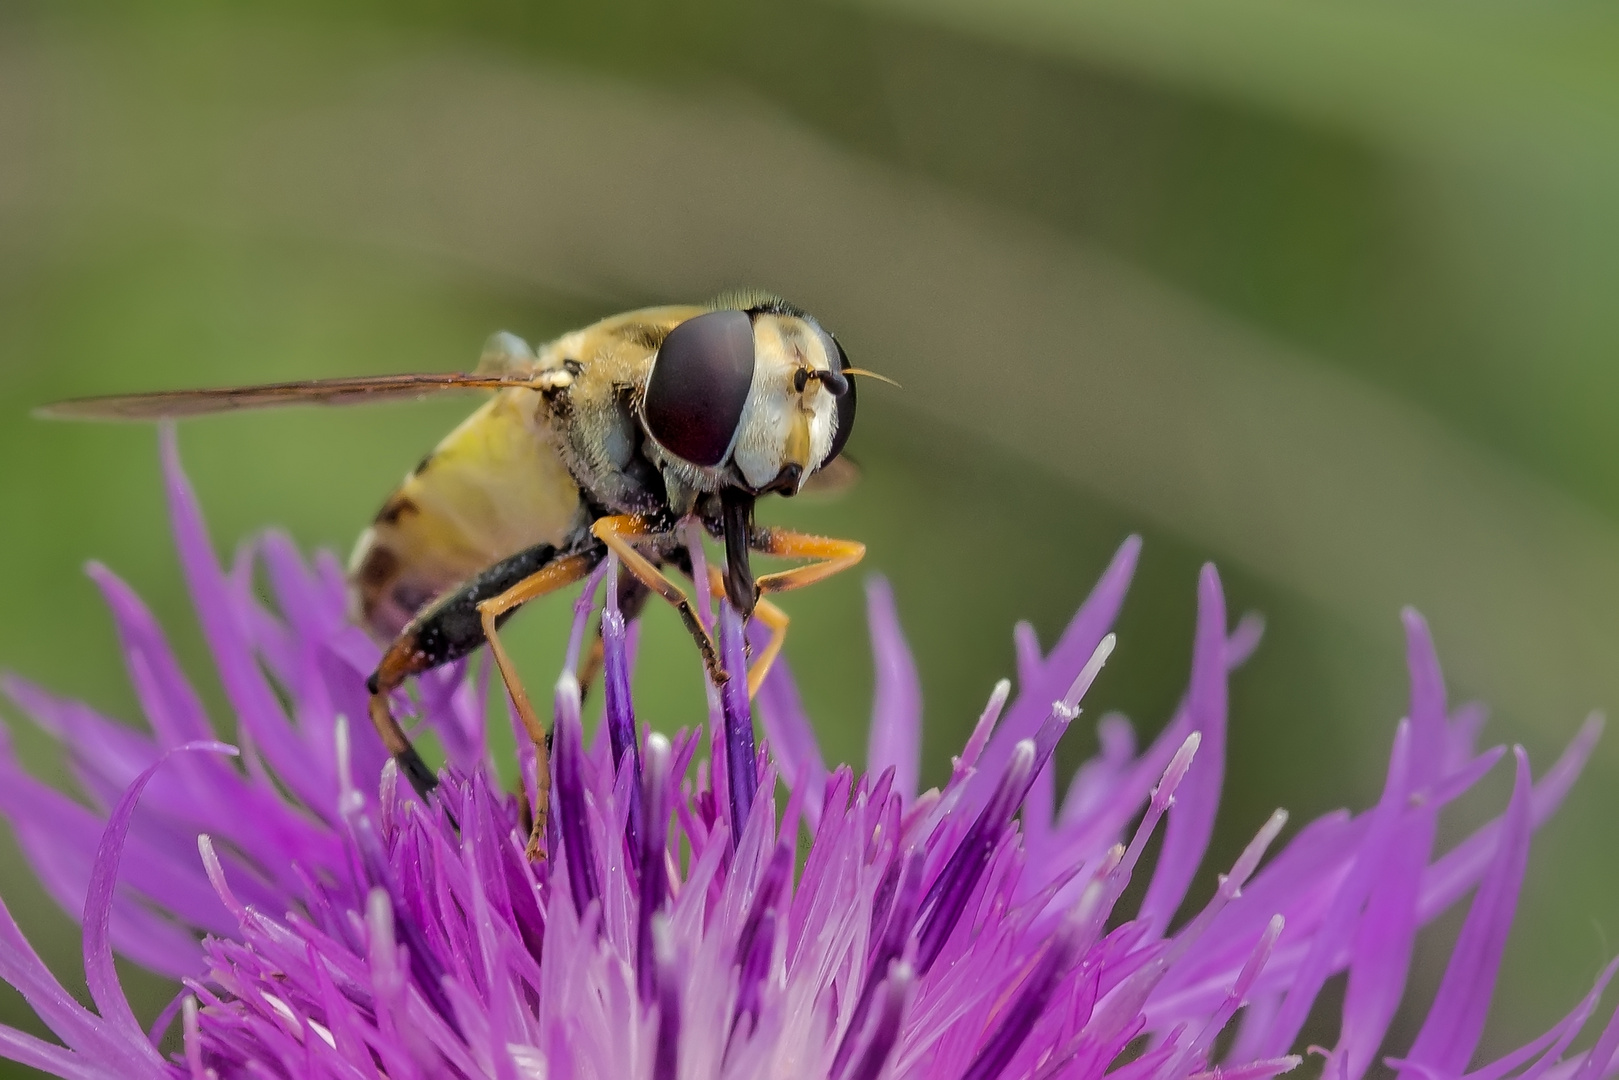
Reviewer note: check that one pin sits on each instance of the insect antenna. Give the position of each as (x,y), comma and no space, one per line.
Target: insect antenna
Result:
(863,373)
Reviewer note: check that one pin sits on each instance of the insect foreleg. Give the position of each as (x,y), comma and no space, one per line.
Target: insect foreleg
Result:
(617,532)
(830,555)
(775,620)
(452,627)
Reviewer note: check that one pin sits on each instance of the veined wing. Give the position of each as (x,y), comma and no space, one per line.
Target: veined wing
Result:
(174,404)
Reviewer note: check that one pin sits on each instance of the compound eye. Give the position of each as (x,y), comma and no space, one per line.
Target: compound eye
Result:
(845,401)
(699,384)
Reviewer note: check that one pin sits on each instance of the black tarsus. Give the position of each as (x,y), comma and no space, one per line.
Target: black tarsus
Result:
(416,771)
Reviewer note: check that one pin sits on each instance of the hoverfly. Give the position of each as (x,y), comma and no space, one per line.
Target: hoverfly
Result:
(604,440)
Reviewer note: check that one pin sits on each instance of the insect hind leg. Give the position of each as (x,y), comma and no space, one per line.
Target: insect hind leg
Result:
(491,613)
(452,627)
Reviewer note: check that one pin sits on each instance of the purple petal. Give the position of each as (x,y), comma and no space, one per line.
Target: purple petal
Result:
(1083,836)
(76,1026)
(60,836)
(1031,1001)
(1555,1042)
(1456,1021)
(250,695)
(896,712)
(1197,1049)
(947,897)
(653,884)
(314,611)
(963,765)
(888,950)
(583,606)
(1094,780)
(885,1027)
(1451,875)
(1026,646)
(1084,632)
(792,737)
(742,777)
(568,803)
(1191,821)
(1338,924)
(171,706)
(758,934)
(25,1049)
(618,711)
(666,1061)
(1428,718)
(1599,1059)
(1461,740)
(1245,638)
(109,754)
(1381,954)
(99,972)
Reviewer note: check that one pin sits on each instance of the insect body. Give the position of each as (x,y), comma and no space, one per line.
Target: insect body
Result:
(605,440)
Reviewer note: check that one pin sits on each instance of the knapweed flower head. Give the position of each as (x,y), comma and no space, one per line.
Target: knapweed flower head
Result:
(324,922)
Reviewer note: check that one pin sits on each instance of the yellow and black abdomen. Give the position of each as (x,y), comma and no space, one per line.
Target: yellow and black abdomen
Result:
(491,488)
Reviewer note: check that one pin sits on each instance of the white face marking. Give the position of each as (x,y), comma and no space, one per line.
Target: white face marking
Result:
(783,345)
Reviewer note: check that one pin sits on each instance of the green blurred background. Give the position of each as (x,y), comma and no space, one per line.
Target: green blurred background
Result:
(1319,291)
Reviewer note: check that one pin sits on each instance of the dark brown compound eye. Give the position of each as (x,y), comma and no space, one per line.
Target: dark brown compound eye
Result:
(845,401)
(699,384)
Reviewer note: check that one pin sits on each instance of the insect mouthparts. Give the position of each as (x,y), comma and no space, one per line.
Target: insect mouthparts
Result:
(786,481)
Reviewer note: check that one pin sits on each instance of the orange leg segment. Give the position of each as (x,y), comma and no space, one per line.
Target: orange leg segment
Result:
(776,621)
(618,533)
(830,555)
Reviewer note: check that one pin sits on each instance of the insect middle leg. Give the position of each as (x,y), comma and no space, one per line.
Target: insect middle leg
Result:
(453,627)
(830,555)
(618,532)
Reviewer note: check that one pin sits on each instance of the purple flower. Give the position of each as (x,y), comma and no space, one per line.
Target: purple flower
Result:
(324,922)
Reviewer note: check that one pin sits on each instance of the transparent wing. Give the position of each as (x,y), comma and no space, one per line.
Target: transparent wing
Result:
(173,404)
(505,354)
(832,479)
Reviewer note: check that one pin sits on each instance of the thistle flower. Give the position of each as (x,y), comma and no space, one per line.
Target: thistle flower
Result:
(324,922)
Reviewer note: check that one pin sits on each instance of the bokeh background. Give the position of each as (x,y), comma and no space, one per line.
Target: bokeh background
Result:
(1322,292)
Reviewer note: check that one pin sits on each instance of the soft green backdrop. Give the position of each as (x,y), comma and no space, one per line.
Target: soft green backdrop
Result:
(1320,292)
